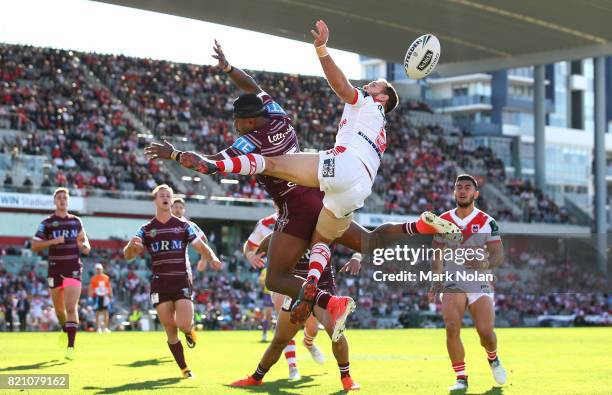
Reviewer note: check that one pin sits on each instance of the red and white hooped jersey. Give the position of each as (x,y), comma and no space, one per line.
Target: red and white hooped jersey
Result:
(362,128)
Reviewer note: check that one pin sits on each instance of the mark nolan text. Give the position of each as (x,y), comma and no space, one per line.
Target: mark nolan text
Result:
(405,275)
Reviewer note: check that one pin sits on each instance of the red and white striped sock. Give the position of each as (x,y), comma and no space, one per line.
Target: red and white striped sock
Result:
(290,354)
(308,340)
(247,165)
(459,369)
(319,257)
(491,355)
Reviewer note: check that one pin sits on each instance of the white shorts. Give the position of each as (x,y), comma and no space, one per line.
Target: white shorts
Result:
(474,296)
(345,181)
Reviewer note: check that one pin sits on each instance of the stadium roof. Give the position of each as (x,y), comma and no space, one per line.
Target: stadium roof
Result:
(476,36)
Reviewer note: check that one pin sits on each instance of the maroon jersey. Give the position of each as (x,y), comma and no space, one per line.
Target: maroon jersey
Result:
(276,138)
(64,259)
(167,244)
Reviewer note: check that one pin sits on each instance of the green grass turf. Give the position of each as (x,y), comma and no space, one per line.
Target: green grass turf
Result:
(413,361)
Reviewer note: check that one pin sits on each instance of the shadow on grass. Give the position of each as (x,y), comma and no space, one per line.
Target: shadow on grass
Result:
(149,385)
(34,366)
(493,391)
(146,362)
(280,387)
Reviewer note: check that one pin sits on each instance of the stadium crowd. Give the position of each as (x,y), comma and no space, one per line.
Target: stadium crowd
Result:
(82,110)
(530,286)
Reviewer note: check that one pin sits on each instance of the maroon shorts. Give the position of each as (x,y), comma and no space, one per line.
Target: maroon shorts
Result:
(298,214)
(56,278)
(158,298)
(170,289)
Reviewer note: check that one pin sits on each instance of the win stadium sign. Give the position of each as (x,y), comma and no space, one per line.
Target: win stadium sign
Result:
(36,201)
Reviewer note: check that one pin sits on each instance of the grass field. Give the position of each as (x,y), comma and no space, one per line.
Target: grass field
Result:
(414,361)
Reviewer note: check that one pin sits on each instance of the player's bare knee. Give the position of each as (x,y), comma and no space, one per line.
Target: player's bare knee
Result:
(453,328)
(485,333)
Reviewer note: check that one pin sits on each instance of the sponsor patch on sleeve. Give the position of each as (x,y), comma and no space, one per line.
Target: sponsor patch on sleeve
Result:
(243,145)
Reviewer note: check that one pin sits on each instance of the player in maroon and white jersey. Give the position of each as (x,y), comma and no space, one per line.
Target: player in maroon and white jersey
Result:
(286,330)
(63,234)
(464,283)
(166,238)
(265,128)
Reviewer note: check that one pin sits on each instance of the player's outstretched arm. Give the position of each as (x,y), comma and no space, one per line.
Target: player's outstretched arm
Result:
(335,77)
(238,77)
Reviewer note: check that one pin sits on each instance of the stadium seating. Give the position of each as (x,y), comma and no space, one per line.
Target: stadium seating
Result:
(91,115)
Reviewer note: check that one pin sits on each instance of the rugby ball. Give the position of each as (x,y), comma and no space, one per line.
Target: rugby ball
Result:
(422,57)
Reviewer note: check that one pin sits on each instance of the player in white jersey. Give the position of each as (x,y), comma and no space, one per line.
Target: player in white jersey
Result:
(464,280)
(345,173)
(263,229)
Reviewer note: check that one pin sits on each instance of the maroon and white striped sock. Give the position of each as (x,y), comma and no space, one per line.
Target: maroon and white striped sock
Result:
(290,354)
(491,355)
(247,165)
(319,257)
(344,369)
(459,369)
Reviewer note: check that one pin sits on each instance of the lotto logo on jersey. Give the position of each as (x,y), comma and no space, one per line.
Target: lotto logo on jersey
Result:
(243,145)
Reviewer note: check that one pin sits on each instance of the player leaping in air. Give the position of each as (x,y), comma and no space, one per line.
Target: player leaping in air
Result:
(265,129)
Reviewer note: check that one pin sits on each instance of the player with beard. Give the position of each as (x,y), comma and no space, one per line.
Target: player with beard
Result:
(481,236)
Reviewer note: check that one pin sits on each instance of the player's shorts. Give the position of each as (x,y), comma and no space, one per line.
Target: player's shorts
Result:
(159,298)
(267,300)
(298,214)
(56,280)
(485,290)
(344,179)
(170,289)
(101,303)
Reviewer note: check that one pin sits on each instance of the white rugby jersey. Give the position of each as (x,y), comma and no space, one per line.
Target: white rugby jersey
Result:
(362,128)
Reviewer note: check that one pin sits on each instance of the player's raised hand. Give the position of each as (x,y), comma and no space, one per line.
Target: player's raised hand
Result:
(161,151)
(320,33)
(353,266)
(220,56)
